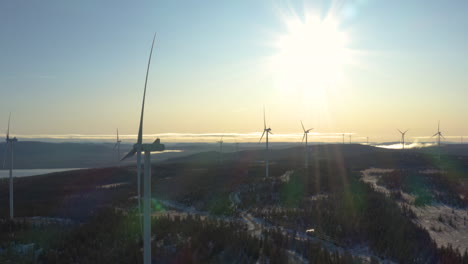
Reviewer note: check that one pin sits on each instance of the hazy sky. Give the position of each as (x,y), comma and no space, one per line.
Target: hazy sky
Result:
(78,67)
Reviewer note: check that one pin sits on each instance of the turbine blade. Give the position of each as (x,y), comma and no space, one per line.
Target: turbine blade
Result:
(8,130)
(405,131)
(399,131)
(442,136)
(116,145)
(303,137)
(5,155)
(261,136)
(130,153)
(435,134)
(303,126)
(140,130)
(271,133)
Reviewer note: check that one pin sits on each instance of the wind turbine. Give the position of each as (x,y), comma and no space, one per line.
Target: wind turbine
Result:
(147,149)
(439,135)
(402,137)
(117,145)
(265,131)
(343,138)
(306,133)
(9,146)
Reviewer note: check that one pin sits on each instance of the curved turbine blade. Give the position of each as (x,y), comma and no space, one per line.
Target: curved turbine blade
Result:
(303,126)
(8,130)
(5,155)
(130,153)
(140,130)
(261,136)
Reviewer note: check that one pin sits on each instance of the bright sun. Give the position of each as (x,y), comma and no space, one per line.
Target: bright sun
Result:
(311,54)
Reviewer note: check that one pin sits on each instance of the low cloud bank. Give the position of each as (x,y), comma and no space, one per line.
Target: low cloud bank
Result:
(407,146)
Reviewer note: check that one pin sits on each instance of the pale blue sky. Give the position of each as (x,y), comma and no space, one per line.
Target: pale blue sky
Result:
(78,67)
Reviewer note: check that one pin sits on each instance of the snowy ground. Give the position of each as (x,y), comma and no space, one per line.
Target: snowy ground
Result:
(445,224)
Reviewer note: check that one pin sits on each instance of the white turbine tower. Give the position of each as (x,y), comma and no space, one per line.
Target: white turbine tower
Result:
(117,145)
(439,135)
(306,133)
(402,137)
(147,148)
(265,131)
(9,146)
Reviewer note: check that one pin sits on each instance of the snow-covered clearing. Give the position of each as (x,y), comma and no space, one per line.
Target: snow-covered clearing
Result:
(445,224)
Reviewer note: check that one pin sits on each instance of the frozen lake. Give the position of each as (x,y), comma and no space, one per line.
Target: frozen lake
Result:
(31,172)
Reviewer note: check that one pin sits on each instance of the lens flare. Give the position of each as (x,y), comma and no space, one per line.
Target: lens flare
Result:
(310,55)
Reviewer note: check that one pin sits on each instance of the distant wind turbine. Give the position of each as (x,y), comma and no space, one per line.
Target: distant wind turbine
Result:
(402,137)
(117,145)
(265,131)
(147,148)
(306,133)
(439,135)
(9,146)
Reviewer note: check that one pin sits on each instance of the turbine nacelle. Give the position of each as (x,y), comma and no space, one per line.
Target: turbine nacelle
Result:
(153,147)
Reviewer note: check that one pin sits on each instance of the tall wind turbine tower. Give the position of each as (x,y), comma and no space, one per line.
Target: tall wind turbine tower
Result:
(147,149)
(306,133)
(117,145)
(9,147)
(265,131)
(402,138)
(439,135)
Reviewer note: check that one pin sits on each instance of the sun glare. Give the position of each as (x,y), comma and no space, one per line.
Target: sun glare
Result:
(310,54)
